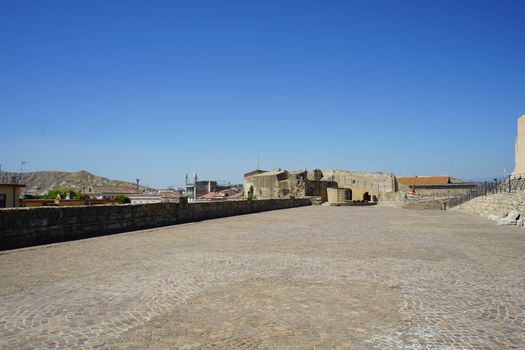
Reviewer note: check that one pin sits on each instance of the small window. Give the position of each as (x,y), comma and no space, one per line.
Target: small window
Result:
(2,201)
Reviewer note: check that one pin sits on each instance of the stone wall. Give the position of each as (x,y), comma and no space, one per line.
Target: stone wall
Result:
(444,191)
(438,204)
(283,184)
(495,204)
(32,226)
(381,182)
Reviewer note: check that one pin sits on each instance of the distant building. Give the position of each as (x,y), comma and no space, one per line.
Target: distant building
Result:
(171,194)
(435,185)
(197,188)
(10,195)
(227,194)
(144,198)
(278,183)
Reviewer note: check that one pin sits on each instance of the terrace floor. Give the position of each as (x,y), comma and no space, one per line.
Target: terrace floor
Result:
(303,278)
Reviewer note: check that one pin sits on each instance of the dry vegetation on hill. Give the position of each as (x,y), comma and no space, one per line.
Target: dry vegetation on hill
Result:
(43,181)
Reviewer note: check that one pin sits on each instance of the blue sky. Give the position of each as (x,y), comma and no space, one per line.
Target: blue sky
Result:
(157,89)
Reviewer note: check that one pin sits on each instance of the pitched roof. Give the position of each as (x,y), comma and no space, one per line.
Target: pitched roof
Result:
(228,193)
(424,180)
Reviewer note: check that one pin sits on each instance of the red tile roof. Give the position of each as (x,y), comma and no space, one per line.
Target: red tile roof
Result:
(424,180)
(228,193)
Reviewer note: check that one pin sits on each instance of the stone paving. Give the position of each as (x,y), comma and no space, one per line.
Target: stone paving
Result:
(303,278)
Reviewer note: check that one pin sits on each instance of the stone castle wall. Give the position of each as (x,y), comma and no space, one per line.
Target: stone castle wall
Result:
(22,227)
(381,182)
(495,204)
(437,204)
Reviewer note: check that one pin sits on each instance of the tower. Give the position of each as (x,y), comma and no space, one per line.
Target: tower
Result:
(519,168)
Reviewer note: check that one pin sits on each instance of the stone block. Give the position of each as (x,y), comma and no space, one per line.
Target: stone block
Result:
(506,221)
(513,215)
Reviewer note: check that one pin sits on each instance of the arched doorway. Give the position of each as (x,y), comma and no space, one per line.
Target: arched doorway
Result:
(349,194)
(366,196)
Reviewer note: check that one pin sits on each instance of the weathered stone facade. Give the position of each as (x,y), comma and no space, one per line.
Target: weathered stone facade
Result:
(376,181)
(285,184)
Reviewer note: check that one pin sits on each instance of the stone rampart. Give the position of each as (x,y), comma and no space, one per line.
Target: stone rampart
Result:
(23,227)
(436,204)
(495,204)
(381,182)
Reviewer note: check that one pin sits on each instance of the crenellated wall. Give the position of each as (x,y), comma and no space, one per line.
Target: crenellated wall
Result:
(23,227)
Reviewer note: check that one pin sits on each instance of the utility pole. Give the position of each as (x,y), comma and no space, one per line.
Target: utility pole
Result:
(22,163)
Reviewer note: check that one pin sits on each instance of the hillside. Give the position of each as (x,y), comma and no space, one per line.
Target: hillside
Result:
(41,182)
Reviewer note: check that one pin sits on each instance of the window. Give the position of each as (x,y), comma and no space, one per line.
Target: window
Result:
(2,201)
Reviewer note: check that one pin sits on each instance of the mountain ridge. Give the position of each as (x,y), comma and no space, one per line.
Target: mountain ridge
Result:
(40,182)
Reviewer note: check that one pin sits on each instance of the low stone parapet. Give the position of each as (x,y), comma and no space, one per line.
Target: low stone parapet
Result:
(437,204)
(23,227)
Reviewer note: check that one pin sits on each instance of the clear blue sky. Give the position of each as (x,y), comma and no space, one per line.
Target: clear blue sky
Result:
(157,89)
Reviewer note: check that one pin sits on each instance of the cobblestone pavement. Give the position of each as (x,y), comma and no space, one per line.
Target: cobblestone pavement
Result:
(303,278)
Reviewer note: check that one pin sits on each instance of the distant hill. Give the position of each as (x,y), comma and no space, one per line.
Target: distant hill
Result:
(41,182)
